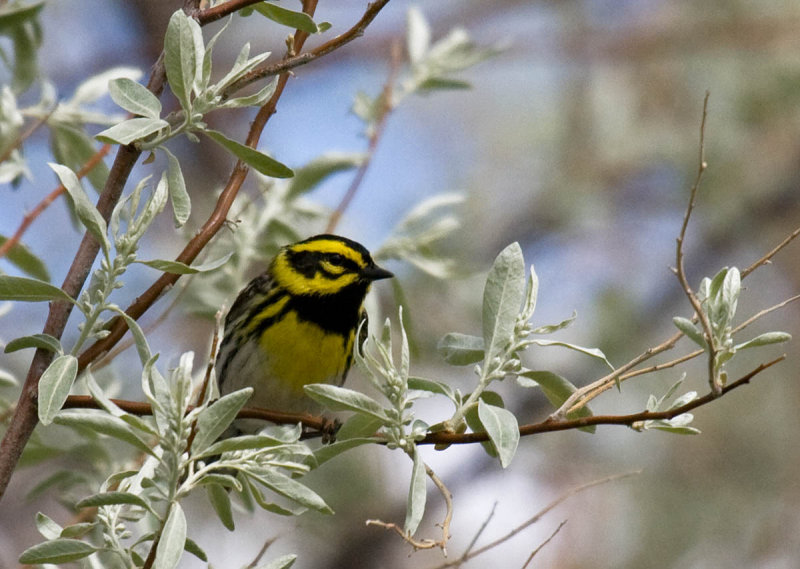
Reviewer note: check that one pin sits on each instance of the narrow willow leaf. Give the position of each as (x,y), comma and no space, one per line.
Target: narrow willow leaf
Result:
(557,390)
(325,453)
(255,100)
(242,442)
(85,210)
(57,551)
(431,386)
(214,419)
(30,290)
(173,539)
(178,268)
(594,352)
(221,502)
(282,562)
(54,386)
(690,330)
(297,20)
(418,35)
(47,527)
(192,547)
(461,349)
(113,498)
(760,340)
(7,380)
(502,428)
(343,399)
(105,424)
(290,488)
(253,158)
(79,529)
(44,341)
(22,258)
(179,197)
(502,299)
(131,130)
(312,174)
(142,347)
(134,97)
(73,147)
(417,495)
(181,56)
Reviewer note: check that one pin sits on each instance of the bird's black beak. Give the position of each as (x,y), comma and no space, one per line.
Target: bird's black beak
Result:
(375,273)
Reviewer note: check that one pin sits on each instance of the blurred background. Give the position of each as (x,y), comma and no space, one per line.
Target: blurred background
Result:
(580,141)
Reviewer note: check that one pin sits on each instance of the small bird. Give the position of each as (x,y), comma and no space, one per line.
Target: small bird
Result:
(296,323)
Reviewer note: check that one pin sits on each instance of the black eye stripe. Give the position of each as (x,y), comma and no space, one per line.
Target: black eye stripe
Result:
(309,263)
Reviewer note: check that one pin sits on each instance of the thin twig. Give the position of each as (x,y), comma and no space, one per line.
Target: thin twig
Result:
(768,257)
(680,270)
(535,518)
(25,135)
(267,544)
(541,545)
(445,525)
(387,105)
(29,217)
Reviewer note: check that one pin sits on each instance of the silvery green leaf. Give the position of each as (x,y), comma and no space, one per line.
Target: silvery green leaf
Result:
(47,527)
(79,529)
(443,84)
(142,347)
(96,86)
(593,352)
(652,403)
(418,35)
(214,419)
(224,480)
(30,290)
(690,330)
(192,547)
(290,18)
(431,386)
(502,428)
(44,341)
(309,176)
(181,202)
(502,299)
(290,488)
(242,442)
(221,502)
(134,97)
(183,56)
(73,147)
(760,340)
(405,357)
(85,210)
(113,498)
(7,380)
(104,424)
(687,397)
(205,77)
(178,268)
(21,257)
(731,287)
(342,399)
(60,550)
(54,386)
(253,158)
(325,453)
(173,538)
(110,407)
(282,562)
(551,328)
(417,495)
(557,389)
(255,100)
(461,349)
(132,129)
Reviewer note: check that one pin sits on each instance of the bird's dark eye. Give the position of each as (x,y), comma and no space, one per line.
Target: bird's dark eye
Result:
(336,259)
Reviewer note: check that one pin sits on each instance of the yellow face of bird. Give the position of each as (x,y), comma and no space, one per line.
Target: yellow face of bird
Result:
(325,265)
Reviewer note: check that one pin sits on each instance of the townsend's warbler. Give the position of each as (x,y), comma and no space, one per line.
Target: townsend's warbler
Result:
(296,323)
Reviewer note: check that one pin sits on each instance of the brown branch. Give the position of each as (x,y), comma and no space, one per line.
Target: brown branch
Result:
(221,10)
(29,217)
(387,105)
(290,63)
